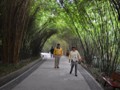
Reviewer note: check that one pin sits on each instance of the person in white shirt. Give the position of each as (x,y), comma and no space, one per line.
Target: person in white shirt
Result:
(74,57)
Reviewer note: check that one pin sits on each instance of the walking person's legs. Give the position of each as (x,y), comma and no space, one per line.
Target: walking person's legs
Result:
(76,68)
(72,65)
(58,60)
(51,55)
(55,62)
(69,60)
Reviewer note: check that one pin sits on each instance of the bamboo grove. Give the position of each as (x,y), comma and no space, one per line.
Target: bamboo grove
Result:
(18,17)
(92,25)
(97,25)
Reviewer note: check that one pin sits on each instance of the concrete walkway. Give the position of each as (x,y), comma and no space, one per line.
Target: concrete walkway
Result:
(46,77)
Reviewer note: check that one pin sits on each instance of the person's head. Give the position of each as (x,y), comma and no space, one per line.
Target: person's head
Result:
(73,48)
(58,45)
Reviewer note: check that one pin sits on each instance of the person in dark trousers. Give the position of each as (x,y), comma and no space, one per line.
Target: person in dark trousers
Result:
(74,57)
(52,51)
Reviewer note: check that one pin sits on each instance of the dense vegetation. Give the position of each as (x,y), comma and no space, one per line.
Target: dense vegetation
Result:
(91,25)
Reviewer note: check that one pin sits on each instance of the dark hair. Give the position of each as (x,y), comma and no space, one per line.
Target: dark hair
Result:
(58,44)
(73,47)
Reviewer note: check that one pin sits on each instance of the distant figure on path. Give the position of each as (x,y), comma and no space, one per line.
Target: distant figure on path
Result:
(58,52)
(74,57)
(52,51)
(67,54)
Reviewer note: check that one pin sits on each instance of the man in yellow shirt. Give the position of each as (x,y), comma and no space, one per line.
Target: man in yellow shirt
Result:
(58,52)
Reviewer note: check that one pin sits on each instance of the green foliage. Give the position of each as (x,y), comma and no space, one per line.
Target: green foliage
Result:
(97,27)
(53,41)
(91,25)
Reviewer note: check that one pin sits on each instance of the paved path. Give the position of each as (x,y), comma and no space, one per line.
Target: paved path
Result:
(46,77)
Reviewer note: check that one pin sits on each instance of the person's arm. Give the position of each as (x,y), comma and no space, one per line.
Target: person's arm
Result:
(54,52)
(79,57)
(61,52)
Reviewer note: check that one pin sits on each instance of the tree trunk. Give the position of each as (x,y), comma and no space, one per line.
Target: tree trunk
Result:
(15,21)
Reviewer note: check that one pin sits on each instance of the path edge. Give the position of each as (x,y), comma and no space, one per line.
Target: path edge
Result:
(10,81)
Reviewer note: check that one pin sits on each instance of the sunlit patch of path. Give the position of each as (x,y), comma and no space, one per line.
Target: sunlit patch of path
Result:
(46,77)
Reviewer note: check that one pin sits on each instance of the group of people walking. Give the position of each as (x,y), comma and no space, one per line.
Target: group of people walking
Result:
(73,56)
